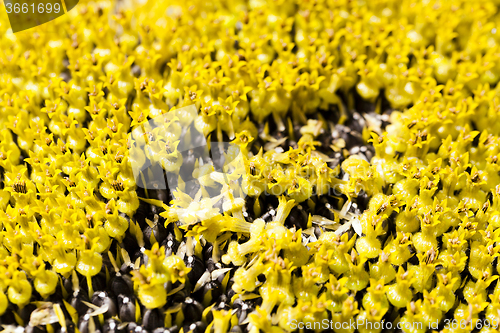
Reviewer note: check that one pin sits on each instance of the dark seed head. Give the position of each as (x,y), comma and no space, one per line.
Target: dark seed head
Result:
(197,268)
(152,319)
(134,328)
(76,302)
(207,251)
(98,282)
(211,291)
(126,307)
(111,326)
(83,325)
(196,327)
(121,284)
(210,264)
(171,244)
(158,230)
(100,298)
(192,309)
(297,218)
(242,309)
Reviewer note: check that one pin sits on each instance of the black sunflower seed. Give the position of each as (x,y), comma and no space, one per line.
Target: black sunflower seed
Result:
(126,308)
(111,326)
(101,298)
(197,268)
(121,284)
(196,327)
(152,319)
(77,302)
(192,309)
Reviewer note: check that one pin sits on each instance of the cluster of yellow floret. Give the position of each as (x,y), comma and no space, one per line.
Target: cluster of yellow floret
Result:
(72,90)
